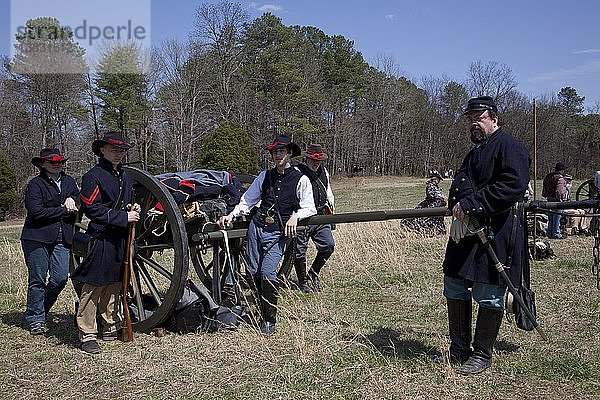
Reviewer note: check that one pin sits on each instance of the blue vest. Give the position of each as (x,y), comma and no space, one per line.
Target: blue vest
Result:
(278,197)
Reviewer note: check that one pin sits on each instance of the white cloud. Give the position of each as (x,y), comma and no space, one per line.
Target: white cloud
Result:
(390,17)
(566,74)
(587,51)
(269,8)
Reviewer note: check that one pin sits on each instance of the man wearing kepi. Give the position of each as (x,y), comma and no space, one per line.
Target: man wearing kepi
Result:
(320,234)
(491,180)
(106,195)
(283,196)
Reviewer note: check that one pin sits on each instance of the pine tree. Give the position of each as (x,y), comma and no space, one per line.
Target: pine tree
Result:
(229,147)
(8,194)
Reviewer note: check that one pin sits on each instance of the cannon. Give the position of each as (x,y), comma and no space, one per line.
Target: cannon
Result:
(169,237)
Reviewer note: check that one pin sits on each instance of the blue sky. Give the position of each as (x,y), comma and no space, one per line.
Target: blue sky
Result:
(547,44)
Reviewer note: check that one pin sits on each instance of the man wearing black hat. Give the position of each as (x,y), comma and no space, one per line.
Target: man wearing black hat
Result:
(283,196)
(105,199)
(554,188)
(493,177)
(320,234)
(47,235)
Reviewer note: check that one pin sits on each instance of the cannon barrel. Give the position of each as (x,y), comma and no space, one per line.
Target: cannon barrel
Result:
(370,216)
(212,231)
(561,205)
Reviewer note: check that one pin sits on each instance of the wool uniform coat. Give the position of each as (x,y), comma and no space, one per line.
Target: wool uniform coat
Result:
(492,178)
(100,189)
(45,215)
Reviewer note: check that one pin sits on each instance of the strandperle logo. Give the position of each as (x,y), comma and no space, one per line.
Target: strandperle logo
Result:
(47,31)
(88,33)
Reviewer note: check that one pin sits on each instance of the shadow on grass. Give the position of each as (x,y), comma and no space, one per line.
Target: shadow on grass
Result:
(59,326)
(390,343)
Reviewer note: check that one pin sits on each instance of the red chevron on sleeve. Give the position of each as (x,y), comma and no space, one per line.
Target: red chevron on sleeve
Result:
(90,200)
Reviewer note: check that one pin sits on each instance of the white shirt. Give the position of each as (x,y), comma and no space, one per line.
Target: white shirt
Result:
(251,197)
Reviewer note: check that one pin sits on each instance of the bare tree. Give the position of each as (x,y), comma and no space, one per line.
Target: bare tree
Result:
(183,110)
(491,79)
(219,30)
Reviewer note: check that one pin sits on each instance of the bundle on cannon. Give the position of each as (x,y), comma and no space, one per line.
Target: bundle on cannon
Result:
(178,225)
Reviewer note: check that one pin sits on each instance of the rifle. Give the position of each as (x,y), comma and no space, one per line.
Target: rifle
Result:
(127,267)
(479,231)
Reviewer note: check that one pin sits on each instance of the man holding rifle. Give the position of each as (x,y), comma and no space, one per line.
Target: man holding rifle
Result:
(106,196)
(491,180)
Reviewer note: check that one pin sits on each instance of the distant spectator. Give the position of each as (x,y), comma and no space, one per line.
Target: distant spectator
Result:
(434,197)
(575,222)
(554,189)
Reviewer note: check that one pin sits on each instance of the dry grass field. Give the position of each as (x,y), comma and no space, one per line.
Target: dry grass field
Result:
(370,335)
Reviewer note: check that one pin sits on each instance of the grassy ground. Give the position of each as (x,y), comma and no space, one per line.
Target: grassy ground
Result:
(369,335)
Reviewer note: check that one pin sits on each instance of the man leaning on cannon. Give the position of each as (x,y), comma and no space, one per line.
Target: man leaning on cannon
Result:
(493,177)
(283,196)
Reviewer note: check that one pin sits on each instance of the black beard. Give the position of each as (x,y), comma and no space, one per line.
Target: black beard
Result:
(477,136)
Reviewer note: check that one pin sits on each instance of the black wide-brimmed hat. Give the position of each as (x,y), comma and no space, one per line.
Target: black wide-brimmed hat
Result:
(481,103)
(315,151)
(285,140)
(114,138)
(560,166)
(48,155)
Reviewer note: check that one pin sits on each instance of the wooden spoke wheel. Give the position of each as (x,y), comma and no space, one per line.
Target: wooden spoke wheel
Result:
(160,258)
(587,191)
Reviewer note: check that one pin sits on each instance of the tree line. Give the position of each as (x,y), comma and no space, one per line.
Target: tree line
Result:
(217,99)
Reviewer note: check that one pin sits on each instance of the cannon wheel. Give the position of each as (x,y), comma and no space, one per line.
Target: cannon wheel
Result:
(586,191)
(156,274)
(160,263)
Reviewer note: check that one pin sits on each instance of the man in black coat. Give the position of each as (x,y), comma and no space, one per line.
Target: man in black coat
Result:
(105,199)
(491,180)
(47,235)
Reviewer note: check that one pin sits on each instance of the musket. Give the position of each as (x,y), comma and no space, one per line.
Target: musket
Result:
(501,268)
(127,266)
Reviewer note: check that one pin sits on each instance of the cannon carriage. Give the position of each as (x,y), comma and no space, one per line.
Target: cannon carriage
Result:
(170,235)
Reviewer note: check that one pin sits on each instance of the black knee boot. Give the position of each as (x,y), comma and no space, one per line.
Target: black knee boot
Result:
(315,268)
(269,306)
(300,266)
(486,331)
(459,327)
